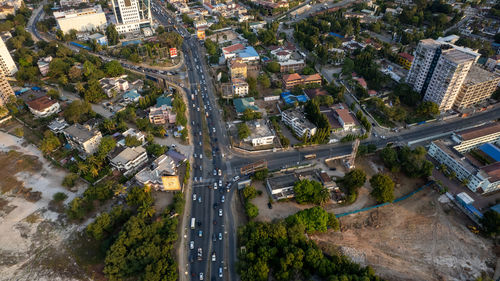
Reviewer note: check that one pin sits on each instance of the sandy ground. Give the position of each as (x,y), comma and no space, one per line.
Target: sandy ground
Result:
(30,234)
(422,238)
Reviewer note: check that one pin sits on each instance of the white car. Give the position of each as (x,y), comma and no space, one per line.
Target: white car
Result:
(220,183)
(213,129)
(214,258)
(222,199)
(198,109)
(199,199)
(194,197)
(215,172)
(220,173)
(201,156)
(201,275)
(220,212)
(220,272)
(191,245)
(195,179)
(200,233)
(220,236)
(215,185)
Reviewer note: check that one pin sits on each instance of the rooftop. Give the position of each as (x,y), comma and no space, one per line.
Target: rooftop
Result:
(312,93)
(163,100)
(345,115)
(406,56)
(163,165)
(233,48)
(455,155)
(283,181)
(491,150)
(478,75)
(80,132)
(128,154)
(242,104)
(41,103)
(493,171)
(299,117)
(479,131)
(458,56)
(258,129)
(312,77)
(292,77)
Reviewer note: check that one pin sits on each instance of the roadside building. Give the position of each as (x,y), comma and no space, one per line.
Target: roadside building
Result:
(160,175)
(260,133)
(242,104)
(6,10)
(281,187)
(472,138)
(72,3)
(99,39)
(298,122)
(312,79)
(87,19)
(327,181)
(113,86)
(345,119)
(43,65)
(478,86)
(239,87)
(292,65)
(292,80)
(129,159)
(132,15)
(43,107)
(405,60)
(7,64)
(237,68)
(83,138)
(246,54)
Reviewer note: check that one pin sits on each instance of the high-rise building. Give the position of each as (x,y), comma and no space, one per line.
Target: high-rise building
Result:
(5,89)
(7,64)
(132,15)
(478,86)
(439,70)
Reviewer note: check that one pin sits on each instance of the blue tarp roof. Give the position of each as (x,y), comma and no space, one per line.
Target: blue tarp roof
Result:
(491,150)
(133,42)
(291,99)
(132,94)
(473,210)
(336,35)
(163,100)
(248,52)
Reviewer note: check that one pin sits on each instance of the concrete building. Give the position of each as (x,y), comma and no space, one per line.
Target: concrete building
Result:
(281,187)
(132,15)
(243,104)
(43,65)
(260,134)
(479,85)
(113,86)
(83,138)
(482,180)
(292,65)
(72,3)
(88,19)
(246,54)
(99,39)
(405,60)
(129,159)
(57,125)
(239,87)
(162,115)
(298,122)
(43,107)
(295,79)
(5,10)
(345,119)
(160,175)
(472,138)
(5,89)
(237,68)
(439,70)
(7,64)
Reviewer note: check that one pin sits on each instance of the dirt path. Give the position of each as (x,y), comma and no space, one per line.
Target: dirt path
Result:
(418,239)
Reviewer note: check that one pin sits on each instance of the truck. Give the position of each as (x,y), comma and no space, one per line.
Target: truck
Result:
(193,223)
(200,254)
(309,156)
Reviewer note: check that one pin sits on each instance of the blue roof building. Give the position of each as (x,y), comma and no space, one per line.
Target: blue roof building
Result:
(132,96)
(491,150)
(291,99)
(242,104)
(163,100)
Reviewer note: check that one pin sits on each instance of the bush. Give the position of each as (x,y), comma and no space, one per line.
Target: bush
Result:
(383,188)
(261,175)
(251,210)
(69,180)
(59,196)
(307,191)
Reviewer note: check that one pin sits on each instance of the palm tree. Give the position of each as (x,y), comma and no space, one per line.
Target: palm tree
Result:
(146,210)
(94,171)
(82,167)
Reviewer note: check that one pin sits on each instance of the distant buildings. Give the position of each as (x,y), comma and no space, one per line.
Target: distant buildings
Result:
(7,64)
(260,133)
(239,87)
(295,79)
(132,15)
(113,86)
(57,125)
(129,159)
(405,60)
(237,68)
(5,89)
(43,65)
(43,106)
(6,10)
(83,138)
(162,115)
(99,39)
(479,85)
(292,65)
(72,3)
(87,19)
(439,70)
(345,119)
(298,122)
(246,54)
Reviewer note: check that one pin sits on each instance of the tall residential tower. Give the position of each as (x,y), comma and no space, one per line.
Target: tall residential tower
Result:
(7,64)
(132,15)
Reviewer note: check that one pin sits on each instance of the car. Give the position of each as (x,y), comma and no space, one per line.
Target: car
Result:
(236,178)
(200,133)
(215,205)
(220,183)
(194,155)
(213,129)
(220,173)
(214,258)
(201,156)
(191,258)
(220,212)
(200,233)
(215,185)
(222,199)
(191,245)
(214,238)
(201,178)
(199,199)
(220,272)
(194,197)
(195,179)
(215,172)
(220,235)
(194,105)
(198,109)
(200,143)
(201,275)
(269,205)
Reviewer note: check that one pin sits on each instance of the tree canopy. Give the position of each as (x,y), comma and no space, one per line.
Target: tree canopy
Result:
(310,191)
(382,188)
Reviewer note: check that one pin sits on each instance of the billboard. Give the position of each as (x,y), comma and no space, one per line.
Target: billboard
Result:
(173,52)
(200,33)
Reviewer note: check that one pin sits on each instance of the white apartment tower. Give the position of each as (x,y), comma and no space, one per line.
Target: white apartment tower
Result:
(132,15)
(439,70)
(7,64)
(5,89)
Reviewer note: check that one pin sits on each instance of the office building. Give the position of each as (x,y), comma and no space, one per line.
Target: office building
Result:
(82,20)
(5,89)
(7,64)
(132,15)
(298,122)
(439,70)
(477,87)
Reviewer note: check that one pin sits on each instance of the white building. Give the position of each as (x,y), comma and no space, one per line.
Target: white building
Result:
(83,138)
(482,180)
(5,89)
(7,64)
(113,86)
(43,106)
(132,15)
(472,138)
(153,175)
(345,119)
(439,70)
(72,3)
(260,133)
(239,87)
(88,19)
(298,122)
(129,159)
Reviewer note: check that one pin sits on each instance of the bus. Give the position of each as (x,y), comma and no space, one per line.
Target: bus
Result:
(309,156)
(193,223)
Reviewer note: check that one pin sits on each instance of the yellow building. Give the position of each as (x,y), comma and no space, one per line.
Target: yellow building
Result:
(479,85)
(405,60)
(237,68)
(201,34)
(171,183)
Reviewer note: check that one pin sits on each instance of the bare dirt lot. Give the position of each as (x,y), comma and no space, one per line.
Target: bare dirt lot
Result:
(32,238)
(416,239)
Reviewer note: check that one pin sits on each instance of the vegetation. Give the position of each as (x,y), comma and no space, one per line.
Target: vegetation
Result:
(59,197)
(309,191)
(50,142)
(243,131)
(70,180)
(491,223)
(249,193)
(411,162)
(351,183)
(282,250)
(261,175)
(250,114)
(366,149)
(319,119)
(382,188)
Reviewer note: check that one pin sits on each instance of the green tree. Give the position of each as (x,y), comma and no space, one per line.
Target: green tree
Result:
(382,188)
(113,68)
(491,223)
(249,193)
(428,108)
(264,80)
(112,35)
(261,174)
(309,191)
(76,111)
(243,131)
(59,197)
(132,141)
(251,210)
(69,180)
(273,67)
(93,92)
(50,142)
